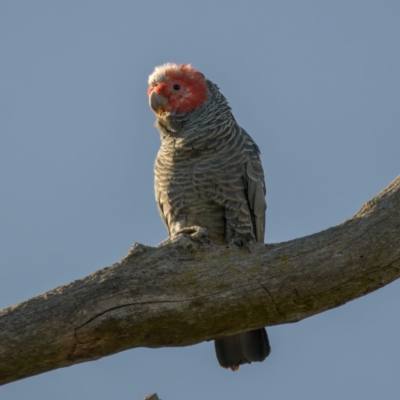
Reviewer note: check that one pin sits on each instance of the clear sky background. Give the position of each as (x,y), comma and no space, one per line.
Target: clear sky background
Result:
(316,84)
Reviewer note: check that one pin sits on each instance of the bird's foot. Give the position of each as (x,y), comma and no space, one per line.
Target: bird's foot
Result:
(197,233)
(240,243)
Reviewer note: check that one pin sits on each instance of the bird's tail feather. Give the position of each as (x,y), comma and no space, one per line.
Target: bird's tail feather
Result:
(242,348)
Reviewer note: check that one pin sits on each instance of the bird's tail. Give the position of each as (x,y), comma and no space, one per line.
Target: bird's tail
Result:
(242,348)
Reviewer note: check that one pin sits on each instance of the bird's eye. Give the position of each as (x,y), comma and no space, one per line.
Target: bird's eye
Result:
(176,86)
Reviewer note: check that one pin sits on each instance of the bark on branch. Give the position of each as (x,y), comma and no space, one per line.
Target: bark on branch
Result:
(188,290)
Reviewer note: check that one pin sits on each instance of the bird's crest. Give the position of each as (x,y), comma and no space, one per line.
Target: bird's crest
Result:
(183,87)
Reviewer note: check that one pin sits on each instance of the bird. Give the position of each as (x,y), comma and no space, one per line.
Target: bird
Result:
(208,173)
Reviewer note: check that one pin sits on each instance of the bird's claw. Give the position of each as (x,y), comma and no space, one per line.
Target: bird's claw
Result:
(238,242)
(197,233)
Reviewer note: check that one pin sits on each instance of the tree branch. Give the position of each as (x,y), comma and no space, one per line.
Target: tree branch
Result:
(188,290)
(152,397)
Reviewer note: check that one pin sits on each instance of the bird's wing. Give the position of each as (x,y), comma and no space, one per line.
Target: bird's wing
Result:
(255,187)
(161,207)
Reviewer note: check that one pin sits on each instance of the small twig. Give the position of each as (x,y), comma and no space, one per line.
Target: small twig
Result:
(152,397)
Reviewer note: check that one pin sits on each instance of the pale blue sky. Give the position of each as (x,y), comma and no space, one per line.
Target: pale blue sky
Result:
(317,86)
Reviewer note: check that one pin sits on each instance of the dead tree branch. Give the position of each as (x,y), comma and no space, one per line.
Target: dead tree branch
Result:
(188,290)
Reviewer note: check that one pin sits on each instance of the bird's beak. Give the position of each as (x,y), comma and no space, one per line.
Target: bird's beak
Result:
(157,102)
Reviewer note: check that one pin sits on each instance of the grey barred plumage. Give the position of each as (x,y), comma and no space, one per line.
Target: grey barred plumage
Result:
(208,173)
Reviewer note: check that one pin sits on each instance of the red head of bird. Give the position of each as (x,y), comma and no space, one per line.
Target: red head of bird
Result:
(176,88)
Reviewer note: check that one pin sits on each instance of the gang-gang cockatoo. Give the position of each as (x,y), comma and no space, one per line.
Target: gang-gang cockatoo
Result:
(208,173)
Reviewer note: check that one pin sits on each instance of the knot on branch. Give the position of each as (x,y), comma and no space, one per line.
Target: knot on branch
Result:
(136,250)
(368,206)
